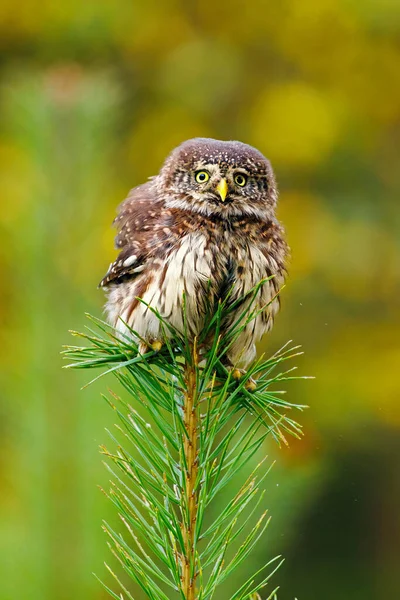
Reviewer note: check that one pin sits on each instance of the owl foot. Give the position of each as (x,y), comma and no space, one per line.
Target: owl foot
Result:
(143,347)
(238,373)
(156,346)
(250,384)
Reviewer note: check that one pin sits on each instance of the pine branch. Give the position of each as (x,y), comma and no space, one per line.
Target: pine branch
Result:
(191,432)
(189,520)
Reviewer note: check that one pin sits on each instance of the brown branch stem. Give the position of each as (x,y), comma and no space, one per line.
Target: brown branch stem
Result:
(190,409)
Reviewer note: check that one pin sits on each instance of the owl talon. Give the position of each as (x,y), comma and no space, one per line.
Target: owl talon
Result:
(250,384)
(156,346)
(237,373)
(143,348)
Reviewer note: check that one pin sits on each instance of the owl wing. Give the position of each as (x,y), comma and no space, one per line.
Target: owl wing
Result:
(275,249)
(136,224)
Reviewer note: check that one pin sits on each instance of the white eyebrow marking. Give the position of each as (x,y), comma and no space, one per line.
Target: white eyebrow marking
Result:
(130,260)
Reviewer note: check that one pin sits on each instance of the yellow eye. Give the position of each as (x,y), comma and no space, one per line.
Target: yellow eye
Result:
(240,179)
(202,176)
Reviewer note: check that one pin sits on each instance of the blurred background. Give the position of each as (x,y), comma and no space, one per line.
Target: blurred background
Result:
(93,96)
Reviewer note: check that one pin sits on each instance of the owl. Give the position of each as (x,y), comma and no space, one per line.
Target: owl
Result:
(204,227)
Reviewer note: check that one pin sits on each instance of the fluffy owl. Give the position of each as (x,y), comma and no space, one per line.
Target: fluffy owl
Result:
(203,227)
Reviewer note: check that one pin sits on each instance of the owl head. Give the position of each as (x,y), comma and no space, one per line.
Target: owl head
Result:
(214,177)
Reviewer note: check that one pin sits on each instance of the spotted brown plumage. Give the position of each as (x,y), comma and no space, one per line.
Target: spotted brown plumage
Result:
(205,225)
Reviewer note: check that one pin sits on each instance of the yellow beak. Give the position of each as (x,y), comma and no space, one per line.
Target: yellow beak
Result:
(222,189)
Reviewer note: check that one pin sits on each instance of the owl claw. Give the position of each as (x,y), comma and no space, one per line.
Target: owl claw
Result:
(143,348)
(237,373)
(157,345)
(250,384)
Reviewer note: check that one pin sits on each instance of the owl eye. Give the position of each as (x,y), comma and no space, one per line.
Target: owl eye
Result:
(240,179)
(202,176)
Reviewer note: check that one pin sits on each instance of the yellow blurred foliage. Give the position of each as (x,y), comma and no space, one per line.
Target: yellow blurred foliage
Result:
(295,124)
(15,170)
(93,97)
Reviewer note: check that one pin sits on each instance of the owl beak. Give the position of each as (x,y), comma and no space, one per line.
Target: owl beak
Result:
(222,189)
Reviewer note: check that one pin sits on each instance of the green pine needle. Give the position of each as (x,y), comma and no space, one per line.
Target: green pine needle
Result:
(187,431)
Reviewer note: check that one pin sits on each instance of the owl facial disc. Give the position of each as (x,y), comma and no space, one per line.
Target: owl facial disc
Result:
(224,179)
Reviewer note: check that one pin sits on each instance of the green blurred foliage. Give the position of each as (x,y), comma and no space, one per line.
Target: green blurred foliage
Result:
(93,96)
